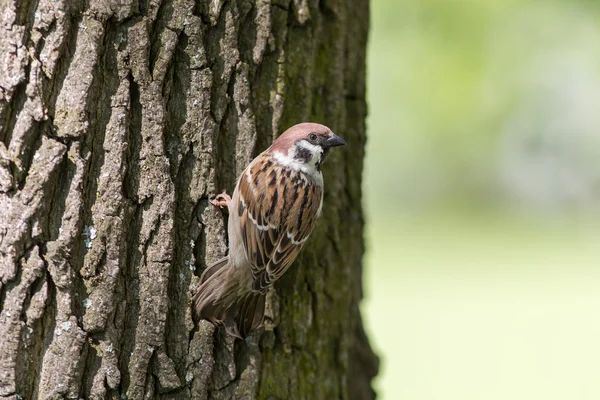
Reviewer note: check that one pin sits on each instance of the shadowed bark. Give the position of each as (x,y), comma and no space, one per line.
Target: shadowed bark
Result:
(118,121)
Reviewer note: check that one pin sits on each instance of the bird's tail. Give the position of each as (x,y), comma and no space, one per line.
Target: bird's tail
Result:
(225,299)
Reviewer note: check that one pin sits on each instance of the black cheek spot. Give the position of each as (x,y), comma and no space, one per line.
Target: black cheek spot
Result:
(303,155)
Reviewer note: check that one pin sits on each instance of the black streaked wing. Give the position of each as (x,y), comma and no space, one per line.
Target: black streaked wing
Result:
(267,206)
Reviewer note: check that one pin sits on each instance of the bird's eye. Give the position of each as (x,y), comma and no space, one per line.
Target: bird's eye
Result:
(312,137)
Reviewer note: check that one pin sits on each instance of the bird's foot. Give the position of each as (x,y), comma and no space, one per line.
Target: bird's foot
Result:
(221,200)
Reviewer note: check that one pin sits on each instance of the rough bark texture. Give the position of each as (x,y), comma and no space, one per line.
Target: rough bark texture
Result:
(118,120)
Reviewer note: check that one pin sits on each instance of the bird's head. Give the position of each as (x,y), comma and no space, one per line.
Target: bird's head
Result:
(304,146)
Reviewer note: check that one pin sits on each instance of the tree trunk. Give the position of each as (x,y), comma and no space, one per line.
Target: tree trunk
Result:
(118,121)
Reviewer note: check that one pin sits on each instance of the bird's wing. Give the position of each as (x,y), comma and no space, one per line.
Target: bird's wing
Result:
(276,218)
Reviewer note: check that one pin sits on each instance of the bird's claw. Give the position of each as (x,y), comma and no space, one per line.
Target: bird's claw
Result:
(221,200)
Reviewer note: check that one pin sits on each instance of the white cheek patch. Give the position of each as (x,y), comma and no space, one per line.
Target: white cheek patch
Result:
(287,161)
(315,151)
(290,160)
(310,168)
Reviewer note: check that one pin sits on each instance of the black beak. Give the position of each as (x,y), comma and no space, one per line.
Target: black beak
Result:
(334,141)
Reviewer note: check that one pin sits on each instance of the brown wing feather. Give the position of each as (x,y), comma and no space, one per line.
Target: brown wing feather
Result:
(266,206)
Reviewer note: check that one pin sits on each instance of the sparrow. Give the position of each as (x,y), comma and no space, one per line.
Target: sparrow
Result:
(272,212)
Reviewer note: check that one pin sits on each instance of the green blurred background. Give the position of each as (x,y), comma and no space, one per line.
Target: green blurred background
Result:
(482,187)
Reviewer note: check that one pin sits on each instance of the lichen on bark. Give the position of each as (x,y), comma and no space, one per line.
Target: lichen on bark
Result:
(118,121)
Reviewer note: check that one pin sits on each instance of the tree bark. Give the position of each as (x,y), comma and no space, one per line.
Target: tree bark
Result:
(118,121)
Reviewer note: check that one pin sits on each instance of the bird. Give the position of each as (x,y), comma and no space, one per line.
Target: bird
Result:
(272,212)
